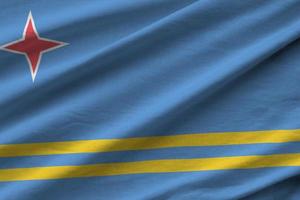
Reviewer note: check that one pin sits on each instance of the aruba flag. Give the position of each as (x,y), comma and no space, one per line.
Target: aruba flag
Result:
(149,99)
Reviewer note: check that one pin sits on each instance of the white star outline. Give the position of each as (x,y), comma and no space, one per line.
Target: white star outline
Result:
(33,73)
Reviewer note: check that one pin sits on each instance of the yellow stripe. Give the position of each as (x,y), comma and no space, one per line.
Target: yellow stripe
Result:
(185,140)
(153,166)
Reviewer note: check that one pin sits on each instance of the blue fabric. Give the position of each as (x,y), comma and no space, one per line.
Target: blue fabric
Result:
(153,67)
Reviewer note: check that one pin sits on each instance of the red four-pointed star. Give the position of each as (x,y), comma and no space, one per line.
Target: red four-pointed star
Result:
(32,46)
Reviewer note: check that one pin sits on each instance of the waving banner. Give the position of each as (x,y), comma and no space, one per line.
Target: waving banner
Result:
(149,99)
